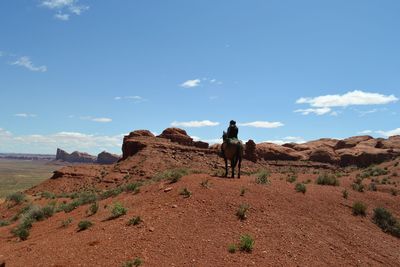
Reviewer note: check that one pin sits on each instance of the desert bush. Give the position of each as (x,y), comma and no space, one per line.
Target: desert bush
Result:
(359,208)
(327,179)
(262,177)
(48,210)
(111,193)
(291,178)
(373,171)
(242,191)
(308,181)
(345,194)
(4,223)
(17,197)
(135,263)
(300,187)
(358,187)
(87,198)
(83,225)
(395,174)
(65,223)
(241,212)
(133,187)
(48,195)
(94,207)
(232,248)
(117,211)
(21,232)
(386,221)
(185,193)
(246,243)
(206,184)
(134,221)
(173,175)
(70,206)
(372,187)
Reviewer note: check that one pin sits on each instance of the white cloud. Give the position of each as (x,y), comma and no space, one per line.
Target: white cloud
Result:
(262,124)
(354,98)
(71,141)
(194,124)
(25,115)
(366,132)
(63,17)
(389,133)
(90,118)
(134,98)
(64,6)
(210,141)
(317,111)
(191,83)
(288,139)
(27,63)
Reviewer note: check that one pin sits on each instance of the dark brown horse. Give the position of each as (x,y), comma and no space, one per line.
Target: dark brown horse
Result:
(233,151)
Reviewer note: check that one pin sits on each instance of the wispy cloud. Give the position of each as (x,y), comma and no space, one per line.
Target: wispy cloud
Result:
(321,105)
(194,124)
(94,119)
(191,83)
(27,63)
(38,143)
(288,139)
(134,98)
(210,141)
(365,132)
(65,8)
(262,124)
(25,115)
(389,133)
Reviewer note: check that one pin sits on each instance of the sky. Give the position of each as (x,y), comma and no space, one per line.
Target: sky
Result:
(80,74)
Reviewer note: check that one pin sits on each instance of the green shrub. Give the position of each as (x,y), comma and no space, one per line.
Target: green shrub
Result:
(17,197)
(206,184)
(345,194)
(262,177)
(185,193)
(134,221)
(48,195)
(373,171)
(246,243)
(134,187)
(241,212)
(372,187)
(111,193)
(358,187)
(70,206)
(291,178)
(4,223)
(93,209)
(300,187)
(385,220)
(359,208)
(83,225)
(117,211)
(48,211)
(65,223)
(21,232)
(232,248)
(136,262)
(87,198)
(327,179)
(173,175)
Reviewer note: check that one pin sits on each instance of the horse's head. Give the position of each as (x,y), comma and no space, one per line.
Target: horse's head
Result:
(224,136)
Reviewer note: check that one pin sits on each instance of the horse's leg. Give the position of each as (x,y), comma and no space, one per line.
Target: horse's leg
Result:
(226,167)
(233,163)
(240,164)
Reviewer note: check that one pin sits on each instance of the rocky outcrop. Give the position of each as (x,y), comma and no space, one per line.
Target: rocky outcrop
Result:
(107,158)
(250,152)
(269,151)
(323,154)
(352,141)
(364,156)
(177,135)
(201,144)
(139,133)
(75,157)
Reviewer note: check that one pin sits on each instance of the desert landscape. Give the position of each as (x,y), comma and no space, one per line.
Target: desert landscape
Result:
(167,203)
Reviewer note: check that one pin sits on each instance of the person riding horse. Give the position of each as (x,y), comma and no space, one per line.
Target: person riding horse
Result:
(232,148)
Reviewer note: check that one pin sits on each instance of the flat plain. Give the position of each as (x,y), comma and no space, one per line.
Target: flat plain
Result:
(17,175)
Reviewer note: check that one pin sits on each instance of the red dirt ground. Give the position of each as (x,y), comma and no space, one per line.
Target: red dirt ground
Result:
(289,228)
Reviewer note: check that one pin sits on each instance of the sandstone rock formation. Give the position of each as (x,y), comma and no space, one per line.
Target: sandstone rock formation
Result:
(250,152)
(107,158)
(75,157)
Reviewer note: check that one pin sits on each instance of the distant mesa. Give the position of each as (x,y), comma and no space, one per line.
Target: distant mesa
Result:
(82,157)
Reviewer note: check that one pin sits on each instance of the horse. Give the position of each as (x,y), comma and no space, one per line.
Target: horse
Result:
(234,153)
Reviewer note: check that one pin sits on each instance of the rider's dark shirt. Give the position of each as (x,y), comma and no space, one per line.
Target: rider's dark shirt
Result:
(233,132)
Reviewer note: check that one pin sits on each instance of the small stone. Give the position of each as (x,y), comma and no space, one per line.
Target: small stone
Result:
(151,229)
(174,206)
(167,189)
(2,263)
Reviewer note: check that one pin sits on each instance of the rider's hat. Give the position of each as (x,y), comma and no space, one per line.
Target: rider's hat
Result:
(232,122)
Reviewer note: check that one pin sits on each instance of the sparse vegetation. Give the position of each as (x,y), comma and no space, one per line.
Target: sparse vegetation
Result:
(65,223)
(242,191)
(241,212)
(359,208)
(111,193)
(172,176)
(206,184)
(300,187)
(48,195)
(345,194)
(373,171)
(4,223)
(393,191)
(117,211)
(386,221)
(358,185)
(135,263)
(291,178)
(262,177)
(94,207)
(22,232)
(246,243)
(232,248)
(133,187)
(396,164)
(372,187)
(185,193)
(327,179)
(83,225)
(134,221)
(17,197)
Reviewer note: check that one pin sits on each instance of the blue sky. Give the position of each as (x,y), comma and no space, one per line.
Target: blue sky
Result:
(78,74)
